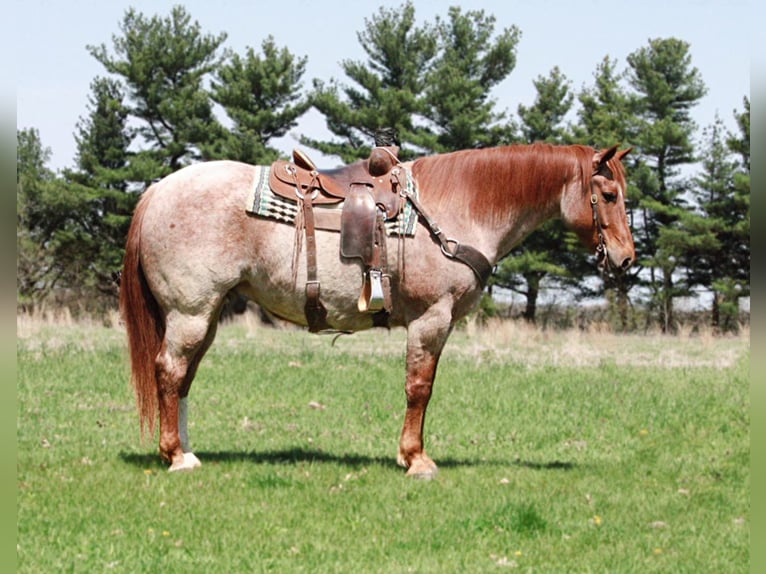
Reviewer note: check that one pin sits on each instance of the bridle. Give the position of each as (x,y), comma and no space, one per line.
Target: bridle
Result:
(601,251)
(601,254)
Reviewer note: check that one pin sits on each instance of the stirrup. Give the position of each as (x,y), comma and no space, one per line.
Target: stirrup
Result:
(371,299)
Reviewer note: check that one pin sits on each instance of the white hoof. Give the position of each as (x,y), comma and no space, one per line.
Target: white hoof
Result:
(190,462)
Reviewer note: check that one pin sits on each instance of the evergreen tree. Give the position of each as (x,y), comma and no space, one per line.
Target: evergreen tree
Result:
(737,240)
(471,61)
(740,143)
(261,95)
(163,63)
(604,116)
(430,83)
(35,220)
(718,254)
(699,234)
(385,94)
(543,121)
(71,229)
(99,192)
(666,87)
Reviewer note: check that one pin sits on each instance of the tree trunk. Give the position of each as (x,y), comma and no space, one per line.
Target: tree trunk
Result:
(623,304)
(716,312)
(533,290)
(668,320)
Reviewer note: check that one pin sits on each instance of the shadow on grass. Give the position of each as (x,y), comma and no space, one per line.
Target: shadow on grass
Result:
(301,455)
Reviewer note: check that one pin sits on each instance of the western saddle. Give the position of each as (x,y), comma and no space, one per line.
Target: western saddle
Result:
(371,192)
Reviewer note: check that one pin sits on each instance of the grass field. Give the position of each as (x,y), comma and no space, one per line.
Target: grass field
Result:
(558,452)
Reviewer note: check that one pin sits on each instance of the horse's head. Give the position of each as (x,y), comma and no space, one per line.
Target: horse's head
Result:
(600,218)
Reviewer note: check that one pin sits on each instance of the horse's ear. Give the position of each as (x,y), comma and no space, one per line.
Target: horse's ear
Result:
(601,157)
(623,153)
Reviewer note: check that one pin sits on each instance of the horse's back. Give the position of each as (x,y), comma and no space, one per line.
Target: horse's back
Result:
(219,182)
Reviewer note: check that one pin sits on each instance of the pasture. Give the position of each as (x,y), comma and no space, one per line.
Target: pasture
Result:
(558,452)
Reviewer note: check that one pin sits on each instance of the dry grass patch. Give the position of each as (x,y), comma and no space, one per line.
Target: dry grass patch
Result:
(529,345)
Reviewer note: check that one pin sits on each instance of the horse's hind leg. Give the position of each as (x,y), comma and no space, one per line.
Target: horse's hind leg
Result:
(186,339)
(190,460)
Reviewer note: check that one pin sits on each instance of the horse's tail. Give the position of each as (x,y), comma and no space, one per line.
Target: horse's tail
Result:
(144,322)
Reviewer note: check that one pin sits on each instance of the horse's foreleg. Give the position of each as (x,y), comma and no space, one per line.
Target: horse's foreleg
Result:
(425,341)
(412,455)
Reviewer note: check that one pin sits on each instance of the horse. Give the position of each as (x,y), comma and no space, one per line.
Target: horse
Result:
(191,245)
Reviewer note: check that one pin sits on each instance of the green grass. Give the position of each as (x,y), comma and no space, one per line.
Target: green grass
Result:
(557,453)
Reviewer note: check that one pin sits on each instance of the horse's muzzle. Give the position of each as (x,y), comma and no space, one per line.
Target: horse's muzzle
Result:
(607,262)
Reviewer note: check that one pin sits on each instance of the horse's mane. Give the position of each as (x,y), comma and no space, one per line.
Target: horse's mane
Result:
(486,182)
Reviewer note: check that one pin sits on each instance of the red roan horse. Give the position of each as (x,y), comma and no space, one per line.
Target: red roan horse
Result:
(191,244)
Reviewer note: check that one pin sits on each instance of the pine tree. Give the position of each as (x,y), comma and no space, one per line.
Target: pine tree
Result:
(666,87)
(100,194)
(604,116)
(386,86)
(430,83)
(471,61)
(698,234)
(163,62)
(722,194)
(261,96)
(71,227)
(740,143)
(543,121)
(737,239)
(35,221)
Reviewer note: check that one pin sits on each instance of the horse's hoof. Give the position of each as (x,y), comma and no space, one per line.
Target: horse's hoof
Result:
(422,468)
(426,474)
(189,462)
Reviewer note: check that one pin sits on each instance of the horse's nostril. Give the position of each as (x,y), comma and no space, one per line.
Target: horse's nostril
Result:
(626,263)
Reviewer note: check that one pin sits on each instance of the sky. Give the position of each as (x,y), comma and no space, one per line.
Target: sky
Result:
(54,69)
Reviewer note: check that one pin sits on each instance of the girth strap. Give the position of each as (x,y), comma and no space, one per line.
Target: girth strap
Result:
(383,264)
(316,313)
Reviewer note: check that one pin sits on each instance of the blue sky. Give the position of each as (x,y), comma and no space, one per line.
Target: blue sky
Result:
(54,69)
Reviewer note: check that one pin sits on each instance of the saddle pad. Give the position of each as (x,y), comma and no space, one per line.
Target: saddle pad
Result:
(263,202)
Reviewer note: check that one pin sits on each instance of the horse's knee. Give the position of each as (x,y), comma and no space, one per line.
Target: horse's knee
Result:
(418,392)
(170,370)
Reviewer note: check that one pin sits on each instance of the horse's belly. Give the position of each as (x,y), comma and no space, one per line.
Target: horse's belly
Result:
(278,280)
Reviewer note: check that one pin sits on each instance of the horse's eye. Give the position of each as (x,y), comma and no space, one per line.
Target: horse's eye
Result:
(610,197)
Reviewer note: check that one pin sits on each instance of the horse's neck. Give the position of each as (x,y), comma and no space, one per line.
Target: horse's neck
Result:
(495,198)
(521,222)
